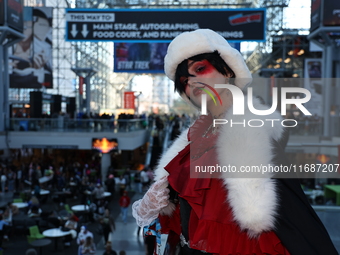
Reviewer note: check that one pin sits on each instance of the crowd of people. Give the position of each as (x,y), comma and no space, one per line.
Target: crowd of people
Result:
(67,182)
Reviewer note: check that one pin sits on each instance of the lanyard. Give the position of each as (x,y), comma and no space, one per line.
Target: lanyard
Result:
(154,229)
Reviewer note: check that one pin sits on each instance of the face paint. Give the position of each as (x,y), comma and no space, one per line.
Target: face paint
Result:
(196,69)
(201,68)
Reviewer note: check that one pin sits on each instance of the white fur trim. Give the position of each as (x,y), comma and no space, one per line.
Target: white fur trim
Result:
(252,196)
(189,44)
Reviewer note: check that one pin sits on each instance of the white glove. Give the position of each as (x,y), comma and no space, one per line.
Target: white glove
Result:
(147,209)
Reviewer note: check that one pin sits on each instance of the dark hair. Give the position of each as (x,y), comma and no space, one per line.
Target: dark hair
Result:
(214,58)
(40,14)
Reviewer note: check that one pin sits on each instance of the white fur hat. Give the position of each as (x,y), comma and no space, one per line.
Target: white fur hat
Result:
(189,44)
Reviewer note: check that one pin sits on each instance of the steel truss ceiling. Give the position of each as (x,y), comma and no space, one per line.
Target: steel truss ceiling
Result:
(99,55)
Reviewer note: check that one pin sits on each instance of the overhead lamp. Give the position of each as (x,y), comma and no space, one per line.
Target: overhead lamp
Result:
(295,75)
(279,60)
(300,52)
(287,60)
(277,66)
(291,52)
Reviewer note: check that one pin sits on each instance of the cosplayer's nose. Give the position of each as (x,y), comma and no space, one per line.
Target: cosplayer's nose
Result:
(193,82)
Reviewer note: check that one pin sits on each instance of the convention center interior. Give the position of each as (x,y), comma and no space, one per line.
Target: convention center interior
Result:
(87,111)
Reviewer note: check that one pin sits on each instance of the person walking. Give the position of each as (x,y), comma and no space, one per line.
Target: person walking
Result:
(124,203)
(83,234)
(108,224)
(121,183)
(111,184)
(144,177)
(88,248)
(108,249)
(3,182)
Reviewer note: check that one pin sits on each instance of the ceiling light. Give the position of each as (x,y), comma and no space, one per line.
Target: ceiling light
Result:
(287,60)
(301,52)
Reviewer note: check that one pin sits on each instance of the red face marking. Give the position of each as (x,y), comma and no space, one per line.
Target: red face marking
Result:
(201,68)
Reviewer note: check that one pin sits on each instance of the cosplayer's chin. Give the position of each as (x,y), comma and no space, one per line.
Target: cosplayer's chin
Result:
(187,99)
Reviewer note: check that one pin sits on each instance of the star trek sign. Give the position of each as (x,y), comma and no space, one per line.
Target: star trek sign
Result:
(162,25)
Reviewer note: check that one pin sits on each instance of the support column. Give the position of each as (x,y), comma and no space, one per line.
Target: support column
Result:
(88,94)
(2,91)
(327,60)
(105,164)
(87,73)
(8,37)
(6,86)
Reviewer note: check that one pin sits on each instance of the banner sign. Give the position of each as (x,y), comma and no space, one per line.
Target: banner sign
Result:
(143,57)
(2,12)
(129,100)
(31,58)
(139,57)
(81,84)
(15,14)
(331,13)
(315,14)
(154,25)
(11,14)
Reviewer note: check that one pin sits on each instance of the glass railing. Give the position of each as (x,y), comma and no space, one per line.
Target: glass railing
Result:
(306,127)
(75,125)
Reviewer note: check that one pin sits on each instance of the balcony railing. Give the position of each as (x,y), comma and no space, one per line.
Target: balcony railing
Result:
(306,127)
(62,124)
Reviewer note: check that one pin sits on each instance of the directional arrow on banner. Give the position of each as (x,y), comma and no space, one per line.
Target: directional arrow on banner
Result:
(85,31)
(74,30)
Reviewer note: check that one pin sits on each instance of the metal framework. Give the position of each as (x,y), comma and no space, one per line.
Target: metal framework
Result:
(104,96)
(106,86)
(274,25)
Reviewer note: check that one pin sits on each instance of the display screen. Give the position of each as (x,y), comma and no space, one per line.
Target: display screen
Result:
(105,145)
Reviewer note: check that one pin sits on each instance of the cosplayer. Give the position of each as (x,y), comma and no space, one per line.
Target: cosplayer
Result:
(225,213)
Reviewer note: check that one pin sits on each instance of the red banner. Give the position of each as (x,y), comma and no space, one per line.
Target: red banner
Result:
(129,100)
(81,83)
